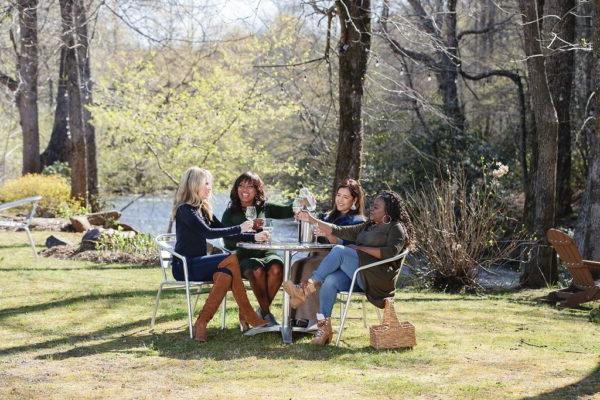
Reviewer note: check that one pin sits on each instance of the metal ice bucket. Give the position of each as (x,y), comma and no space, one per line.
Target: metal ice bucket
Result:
(305,232)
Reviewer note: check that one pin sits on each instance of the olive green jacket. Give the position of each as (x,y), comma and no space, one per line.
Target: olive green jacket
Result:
(380,281)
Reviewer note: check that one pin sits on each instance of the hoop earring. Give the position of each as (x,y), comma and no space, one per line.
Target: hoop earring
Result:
(353,208)
(389,220)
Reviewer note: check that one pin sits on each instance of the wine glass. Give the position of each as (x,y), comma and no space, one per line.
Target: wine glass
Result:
(268,227)
(251,213)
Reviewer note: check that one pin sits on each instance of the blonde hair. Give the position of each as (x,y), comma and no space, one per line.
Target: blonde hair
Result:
(187,192)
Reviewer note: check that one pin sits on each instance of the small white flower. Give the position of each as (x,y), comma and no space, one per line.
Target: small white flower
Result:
(500,171)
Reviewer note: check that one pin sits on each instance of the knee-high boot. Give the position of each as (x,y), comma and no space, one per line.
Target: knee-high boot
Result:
(247,315)
(221,284)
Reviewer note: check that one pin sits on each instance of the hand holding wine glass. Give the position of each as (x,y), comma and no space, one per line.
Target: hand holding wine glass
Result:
(264,236)
(246,226)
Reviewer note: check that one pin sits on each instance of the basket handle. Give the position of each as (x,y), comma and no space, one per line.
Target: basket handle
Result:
(389,314)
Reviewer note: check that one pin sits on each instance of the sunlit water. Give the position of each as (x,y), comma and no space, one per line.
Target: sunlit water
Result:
(151,214)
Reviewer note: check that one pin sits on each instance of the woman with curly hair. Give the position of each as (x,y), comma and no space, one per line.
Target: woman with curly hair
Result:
(348,209)
(263,268)
(387,233)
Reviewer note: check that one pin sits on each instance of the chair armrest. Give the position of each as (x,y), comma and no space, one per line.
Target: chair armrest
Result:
(378,263)
(20,202)
(591,264)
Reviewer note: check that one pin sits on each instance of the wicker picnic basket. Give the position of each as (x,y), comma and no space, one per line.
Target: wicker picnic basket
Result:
(392,334)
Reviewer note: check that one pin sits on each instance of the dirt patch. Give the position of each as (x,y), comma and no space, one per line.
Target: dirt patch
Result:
(104,256)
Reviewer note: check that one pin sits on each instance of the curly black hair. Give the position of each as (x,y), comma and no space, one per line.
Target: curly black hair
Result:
(254,179)
(395,208)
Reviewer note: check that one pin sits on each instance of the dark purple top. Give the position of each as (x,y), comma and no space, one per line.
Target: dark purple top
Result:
(193,228)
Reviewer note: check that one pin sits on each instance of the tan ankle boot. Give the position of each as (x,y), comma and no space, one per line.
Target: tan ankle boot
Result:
(247,315)
(299,294)
(221,284)
(324,332)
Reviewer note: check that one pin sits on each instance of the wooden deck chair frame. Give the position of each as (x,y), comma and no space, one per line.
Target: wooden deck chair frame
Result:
(583,288)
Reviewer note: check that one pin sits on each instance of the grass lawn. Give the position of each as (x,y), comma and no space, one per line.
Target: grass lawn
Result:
(73,329)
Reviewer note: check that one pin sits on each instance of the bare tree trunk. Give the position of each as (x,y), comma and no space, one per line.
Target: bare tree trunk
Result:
(355,20)
(76,124)
(588,227)
(26,94)
(86,82)
(542,270)
(448,76)
(560,68)
(58,148)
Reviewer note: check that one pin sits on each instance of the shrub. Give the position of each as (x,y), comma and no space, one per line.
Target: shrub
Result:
(140,244)
(458,226)
(54,189)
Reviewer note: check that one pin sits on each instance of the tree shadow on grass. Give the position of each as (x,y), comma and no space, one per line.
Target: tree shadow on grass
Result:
(226,345)
(223,345)
(588,386)
(75,339)
(7,312)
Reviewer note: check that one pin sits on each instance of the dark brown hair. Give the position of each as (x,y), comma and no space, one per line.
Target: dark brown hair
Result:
(395,208)
(259,186)
(356,191)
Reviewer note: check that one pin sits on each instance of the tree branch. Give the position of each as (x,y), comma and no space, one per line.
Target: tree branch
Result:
(395,45)
(487,29)
(10,83)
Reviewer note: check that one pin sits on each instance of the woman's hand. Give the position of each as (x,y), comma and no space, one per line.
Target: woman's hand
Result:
(263,236)
(247,226)
(304,216)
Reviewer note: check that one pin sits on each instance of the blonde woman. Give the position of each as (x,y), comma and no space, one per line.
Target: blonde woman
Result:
(194,224)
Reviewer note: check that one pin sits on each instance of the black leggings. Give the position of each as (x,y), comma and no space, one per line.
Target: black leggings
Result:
(200,269)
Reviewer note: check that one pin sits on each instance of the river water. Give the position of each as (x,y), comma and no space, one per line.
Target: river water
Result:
(151,214)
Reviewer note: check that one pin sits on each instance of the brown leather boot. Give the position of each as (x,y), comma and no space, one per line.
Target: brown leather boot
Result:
(299,293)
(221,284)
(247,315)
(324,332)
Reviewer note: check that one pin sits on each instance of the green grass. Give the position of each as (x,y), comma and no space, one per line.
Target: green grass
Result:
(72,329)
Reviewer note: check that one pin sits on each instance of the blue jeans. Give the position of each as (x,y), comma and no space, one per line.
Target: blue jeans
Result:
(335,274)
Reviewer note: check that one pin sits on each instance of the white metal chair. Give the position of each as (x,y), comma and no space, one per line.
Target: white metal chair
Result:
(350,292)
(27,221)
(166,252)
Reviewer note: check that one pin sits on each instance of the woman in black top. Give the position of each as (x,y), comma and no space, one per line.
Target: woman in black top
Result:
(194,224)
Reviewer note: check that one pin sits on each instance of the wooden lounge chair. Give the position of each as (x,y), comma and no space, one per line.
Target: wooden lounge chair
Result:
(583,287)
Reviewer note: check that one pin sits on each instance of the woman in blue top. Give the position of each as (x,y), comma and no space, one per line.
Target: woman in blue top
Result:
(349,209)
(194,224)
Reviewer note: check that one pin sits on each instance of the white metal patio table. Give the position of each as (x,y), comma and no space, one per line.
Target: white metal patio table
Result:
(287,247)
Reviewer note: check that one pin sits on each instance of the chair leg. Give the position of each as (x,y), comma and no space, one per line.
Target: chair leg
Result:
(223,311)
(190,312)
(343,321)
(31,241)
(198,293)
(156,306)
(364,312)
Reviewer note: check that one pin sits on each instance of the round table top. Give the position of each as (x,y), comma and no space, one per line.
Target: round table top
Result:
(296,246)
